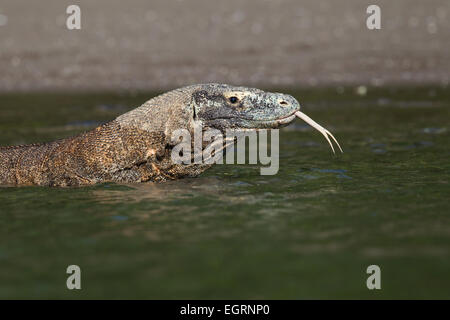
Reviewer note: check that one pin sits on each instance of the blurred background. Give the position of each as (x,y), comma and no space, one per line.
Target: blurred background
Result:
(162,44)
(308,232)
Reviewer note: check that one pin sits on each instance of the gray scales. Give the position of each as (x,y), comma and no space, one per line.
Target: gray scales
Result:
(136,146)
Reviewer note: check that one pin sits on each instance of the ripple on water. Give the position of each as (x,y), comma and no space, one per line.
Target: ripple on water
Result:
(378,148)
(81,124)
(340,173)
(418,145)
(434,130)
(112,107)
(119,218)
(381,148)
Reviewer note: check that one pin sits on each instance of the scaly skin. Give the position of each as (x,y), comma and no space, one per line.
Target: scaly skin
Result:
(136,147)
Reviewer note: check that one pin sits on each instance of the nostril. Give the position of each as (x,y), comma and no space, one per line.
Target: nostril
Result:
(283,102)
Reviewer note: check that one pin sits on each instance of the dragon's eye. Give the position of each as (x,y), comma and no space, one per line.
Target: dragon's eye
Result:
(233,99)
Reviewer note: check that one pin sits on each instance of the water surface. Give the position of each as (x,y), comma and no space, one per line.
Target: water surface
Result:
(308,232)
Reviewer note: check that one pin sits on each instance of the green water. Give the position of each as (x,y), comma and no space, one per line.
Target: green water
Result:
(308,232)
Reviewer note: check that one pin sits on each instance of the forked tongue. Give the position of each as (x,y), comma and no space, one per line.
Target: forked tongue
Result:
(319,128)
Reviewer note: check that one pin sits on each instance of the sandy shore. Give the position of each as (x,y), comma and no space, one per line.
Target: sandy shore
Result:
(139,44)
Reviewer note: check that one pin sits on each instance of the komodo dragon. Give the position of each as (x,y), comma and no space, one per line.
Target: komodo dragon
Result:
(136,146)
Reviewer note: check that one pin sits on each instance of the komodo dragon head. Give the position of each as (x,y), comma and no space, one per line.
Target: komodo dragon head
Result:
(223,106)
